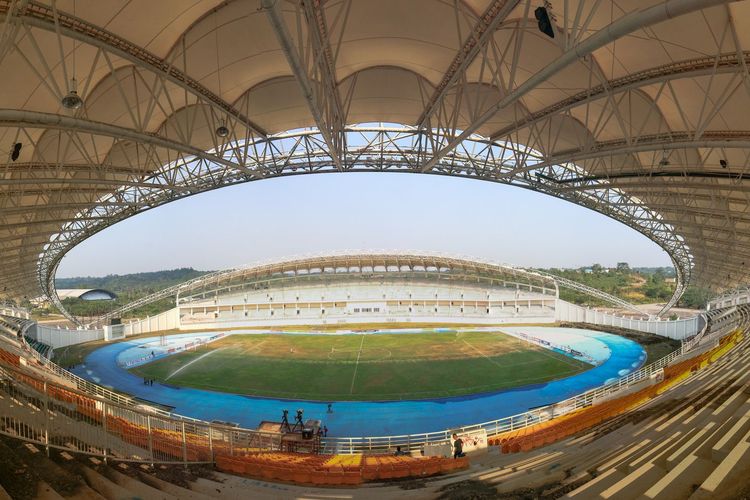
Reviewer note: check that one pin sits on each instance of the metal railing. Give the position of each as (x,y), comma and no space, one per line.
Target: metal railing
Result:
(8,309)
(55,408)
(56,416)
(90,388)
(535,416)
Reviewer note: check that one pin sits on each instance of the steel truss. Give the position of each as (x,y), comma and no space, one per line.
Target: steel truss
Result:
(160,167)
(593,292)
(369,149)
(31,14)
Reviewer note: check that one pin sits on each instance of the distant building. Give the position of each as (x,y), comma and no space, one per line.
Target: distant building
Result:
(86,294)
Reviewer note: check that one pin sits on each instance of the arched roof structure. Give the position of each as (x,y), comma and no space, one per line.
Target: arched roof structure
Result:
(635,109)
(367,263)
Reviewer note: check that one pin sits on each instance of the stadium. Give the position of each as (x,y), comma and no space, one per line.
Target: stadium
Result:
(376,374)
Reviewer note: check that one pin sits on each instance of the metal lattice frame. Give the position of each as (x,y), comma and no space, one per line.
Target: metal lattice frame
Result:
(371,149)
(51,202)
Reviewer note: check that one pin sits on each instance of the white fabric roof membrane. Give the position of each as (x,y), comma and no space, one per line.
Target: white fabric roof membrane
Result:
(642,98)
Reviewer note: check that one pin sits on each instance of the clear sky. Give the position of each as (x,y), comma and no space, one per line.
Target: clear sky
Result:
(332,212)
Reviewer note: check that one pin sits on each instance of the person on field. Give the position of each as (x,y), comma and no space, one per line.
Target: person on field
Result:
(458,447)
(398,452)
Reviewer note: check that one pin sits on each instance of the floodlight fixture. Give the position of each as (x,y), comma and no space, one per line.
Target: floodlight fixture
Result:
(72,100)
(544,23)
(222,130)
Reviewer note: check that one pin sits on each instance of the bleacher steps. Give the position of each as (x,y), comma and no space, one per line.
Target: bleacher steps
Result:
(236,488)
(733,403)
(730,473)
(138,487)
(596,486)
(681,481)
(623,455)
(46,492)
(655,422)
(687,448)
(172,489)
(104,486)
(209,488)
(724,446)
(635,483)
(661,449)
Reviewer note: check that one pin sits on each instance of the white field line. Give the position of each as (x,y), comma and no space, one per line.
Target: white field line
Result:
(356,365)
(191,362)
(484,355)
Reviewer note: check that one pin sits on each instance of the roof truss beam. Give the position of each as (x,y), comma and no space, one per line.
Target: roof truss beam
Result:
(315,74)
(14,117)
(623,26)
(690,68)
(52,20)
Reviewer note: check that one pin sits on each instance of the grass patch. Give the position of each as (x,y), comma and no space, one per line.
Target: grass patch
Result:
(75,354)
(363,367)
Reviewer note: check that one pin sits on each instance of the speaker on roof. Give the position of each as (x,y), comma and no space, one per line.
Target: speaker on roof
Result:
(16,151)
(545,25)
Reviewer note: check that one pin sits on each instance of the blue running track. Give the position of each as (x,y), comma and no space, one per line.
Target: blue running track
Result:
(618,356)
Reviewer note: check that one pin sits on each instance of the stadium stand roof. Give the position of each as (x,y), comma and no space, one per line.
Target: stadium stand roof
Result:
(635,109)
(367,262)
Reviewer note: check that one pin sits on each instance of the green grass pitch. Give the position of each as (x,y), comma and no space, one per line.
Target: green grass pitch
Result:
(363,367)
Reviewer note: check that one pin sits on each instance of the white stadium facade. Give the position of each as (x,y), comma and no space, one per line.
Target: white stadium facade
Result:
(636,109)
(373,287)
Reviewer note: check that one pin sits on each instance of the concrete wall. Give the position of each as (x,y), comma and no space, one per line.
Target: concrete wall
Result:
(678,329)
(343,320)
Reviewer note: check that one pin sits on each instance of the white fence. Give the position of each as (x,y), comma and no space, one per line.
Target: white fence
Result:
(168,320)
(678,329)
(13,311)
(62,337)
(736,297)
(564,311)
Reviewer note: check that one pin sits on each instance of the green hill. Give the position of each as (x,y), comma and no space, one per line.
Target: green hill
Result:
(128,287)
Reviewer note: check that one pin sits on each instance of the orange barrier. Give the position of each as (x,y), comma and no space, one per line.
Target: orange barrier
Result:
(335,470)
(544,433)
